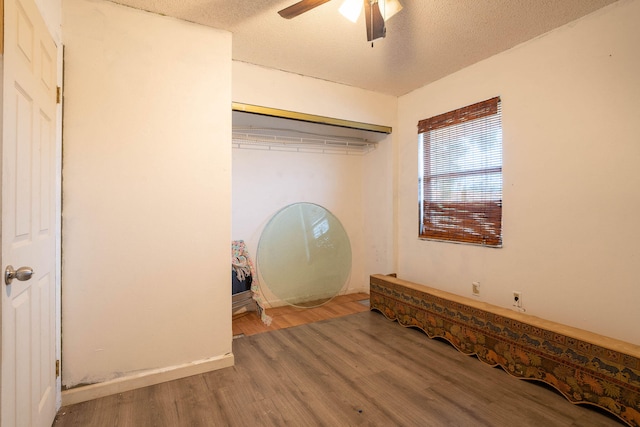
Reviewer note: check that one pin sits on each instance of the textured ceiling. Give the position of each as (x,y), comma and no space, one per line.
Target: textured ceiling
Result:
(426,41)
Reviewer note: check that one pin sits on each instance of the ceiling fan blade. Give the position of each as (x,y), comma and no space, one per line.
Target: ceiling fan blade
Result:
(375,21)
(300,8)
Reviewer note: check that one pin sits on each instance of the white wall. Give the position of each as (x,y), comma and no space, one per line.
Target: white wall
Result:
(147,181)
(571,176)
(356,189)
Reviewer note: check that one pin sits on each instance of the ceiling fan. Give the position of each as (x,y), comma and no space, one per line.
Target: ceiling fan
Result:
(376,13)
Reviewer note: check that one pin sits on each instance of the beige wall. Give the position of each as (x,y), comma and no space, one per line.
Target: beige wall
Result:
(357,189)
(147,181)
(571,176)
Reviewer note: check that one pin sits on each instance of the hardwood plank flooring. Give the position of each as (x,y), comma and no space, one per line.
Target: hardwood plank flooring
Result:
(288,316)
(355,370)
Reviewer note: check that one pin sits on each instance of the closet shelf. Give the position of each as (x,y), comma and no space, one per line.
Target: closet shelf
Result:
(284,140)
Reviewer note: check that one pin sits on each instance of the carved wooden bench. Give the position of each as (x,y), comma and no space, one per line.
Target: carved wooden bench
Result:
(585,367)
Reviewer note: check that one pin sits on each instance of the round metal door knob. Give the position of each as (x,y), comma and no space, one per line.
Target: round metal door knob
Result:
(22,274)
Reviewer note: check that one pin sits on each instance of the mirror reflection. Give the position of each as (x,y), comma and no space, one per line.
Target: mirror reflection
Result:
(304,255)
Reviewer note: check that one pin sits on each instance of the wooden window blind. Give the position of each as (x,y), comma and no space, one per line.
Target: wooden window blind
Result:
(461,175)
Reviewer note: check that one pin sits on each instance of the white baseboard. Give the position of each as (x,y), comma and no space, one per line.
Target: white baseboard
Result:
(144,379)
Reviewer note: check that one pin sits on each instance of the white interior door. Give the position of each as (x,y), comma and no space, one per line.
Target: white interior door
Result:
(28,217)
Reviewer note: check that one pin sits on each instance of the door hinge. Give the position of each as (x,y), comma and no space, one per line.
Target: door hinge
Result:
(57,368)
(58,94)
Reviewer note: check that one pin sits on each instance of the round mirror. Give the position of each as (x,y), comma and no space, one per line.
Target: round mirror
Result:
(304,255)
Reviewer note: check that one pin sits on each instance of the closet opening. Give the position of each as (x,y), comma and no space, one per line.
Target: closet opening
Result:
(281,159)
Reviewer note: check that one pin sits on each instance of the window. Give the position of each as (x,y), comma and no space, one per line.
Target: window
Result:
(461,175)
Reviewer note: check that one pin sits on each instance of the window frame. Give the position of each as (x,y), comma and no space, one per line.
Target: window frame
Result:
(478,221)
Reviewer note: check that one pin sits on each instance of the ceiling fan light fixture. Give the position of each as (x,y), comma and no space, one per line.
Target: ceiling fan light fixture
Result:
(388,8)
(351,9)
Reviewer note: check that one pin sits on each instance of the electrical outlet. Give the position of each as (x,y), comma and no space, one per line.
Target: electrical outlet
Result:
(475,288)
(517,299)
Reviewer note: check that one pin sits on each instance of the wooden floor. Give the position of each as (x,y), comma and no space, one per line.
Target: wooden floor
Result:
(287,316)
(359,369)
